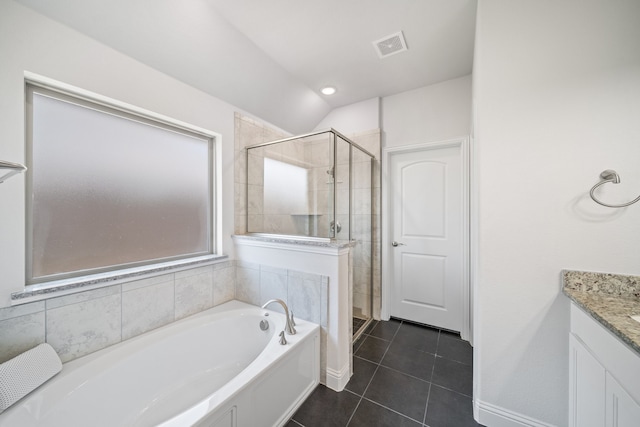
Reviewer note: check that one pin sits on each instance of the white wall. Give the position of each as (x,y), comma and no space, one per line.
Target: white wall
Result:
(432,113)
(353,118)
(192,41)
(31,42)
(556,101)
(427,114)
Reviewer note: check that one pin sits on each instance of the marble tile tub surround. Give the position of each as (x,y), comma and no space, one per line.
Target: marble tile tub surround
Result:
(609,298)
(79,324)
(306,295)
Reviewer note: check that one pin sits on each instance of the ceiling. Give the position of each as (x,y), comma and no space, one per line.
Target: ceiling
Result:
(270,58)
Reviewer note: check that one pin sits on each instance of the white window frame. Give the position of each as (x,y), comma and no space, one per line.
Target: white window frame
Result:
(36,289)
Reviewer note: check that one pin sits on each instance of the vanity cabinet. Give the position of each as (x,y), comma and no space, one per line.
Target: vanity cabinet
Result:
(620,410)
(586,387)
(604,376)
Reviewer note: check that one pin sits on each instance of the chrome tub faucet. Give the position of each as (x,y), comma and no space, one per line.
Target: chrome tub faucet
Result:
(289,326)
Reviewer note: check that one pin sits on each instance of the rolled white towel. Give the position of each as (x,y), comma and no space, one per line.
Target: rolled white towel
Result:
(26,372)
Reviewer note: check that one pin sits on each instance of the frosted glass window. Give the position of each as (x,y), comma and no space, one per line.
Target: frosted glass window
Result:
(108,189)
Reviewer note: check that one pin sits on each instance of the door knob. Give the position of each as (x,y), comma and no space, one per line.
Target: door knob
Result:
(394,244)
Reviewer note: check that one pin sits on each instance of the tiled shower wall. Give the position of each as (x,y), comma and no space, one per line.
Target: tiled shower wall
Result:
(249,132)
(305,213)
(282,209)
(78,324)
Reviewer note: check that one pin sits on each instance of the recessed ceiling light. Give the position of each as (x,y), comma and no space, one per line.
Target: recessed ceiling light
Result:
(328,90)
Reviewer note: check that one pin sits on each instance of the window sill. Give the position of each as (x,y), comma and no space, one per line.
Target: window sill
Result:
(58,288)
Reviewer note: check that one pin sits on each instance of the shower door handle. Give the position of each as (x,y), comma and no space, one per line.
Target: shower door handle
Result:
(394,244)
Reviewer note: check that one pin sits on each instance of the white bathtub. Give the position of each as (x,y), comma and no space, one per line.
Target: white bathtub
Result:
(215,369)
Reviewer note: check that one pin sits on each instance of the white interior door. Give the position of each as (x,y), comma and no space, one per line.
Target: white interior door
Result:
(426,236)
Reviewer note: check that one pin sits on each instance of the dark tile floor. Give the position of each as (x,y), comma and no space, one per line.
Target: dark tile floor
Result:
(404,375)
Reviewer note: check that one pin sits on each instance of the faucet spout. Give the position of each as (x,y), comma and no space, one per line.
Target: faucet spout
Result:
(289,329)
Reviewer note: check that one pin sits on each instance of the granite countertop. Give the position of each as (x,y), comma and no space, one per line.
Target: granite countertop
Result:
(611,299)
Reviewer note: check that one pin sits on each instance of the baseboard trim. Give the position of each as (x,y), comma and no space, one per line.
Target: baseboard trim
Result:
(337,380)
(496,416)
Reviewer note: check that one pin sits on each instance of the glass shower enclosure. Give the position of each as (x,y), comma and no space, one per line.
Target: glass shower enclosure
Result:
(317,186)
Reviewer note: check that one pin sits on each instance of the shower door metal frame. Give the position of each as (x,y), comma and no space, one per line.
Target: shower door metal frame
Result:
(366,324)
(372,158)
(335,134)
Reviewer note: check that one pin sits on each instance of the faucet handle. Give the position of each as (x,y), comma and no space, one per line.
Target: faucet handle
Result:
(283,340)
(289,328)
(293,322)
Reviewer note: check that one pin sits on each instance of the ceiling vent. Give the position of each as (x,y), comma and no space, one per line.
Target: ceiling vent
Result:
(390,45)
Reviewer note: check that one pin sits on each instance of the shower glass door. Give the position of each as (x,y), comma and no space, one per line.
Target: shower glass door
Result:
(290,187)
(317,185)
(361,223)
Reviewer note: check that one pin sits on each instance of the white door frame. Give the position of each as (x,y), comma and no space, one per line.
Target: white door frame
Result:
(387,277)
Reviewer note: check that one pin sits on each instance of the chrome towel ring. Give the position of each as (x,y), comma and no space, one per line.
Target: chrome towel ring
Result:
(612,176)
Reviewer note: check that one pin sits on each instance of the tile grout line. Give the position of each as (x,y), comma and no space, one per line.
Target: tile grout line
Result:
(414,377)
(451,360)
(436,356)
(362,396)
(358,404)
(374,374)
(426,406)
(433,368)
(390,409)
(398,371)
(424,416)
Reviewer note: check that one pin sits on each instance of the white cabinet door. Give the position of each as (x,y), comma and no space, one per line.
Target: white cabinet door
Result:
(621,409)
(586,387)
